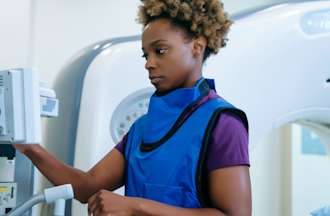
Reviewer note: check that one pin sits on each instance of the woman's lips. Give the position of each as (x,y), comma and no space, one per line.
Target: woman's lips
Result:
(156,79)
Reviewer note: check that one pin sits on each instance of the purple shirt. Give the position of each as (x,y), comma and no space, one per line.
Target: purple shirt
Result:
(229,143)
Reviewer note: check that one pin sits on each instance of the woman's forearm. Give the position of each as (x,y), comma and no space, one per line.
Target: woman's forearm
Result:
(59,173)
(145,207)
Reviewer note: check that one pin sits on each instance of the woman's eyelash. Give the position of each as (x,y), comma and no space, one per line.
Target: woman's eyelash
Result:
(157,51)
(144,55)
(160,51)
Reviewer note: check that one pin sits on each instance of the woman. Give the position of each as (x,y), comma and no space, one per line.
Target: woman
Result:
(189,154)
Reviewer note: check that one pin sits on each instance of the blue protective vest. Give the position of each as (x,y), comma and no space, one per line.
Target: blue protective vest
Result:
(165,149)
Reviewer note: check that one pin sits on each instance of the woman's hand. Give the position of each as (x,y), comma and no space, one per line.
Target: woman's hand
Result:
(105,203)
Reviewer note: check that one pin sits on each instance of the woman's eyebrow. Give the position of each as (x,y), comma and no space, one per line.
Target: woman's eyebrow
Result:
(155,42)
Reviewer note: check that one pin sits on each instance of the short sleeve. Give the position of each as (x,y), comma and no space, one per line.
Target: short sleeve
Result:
(121,145)
(229,143)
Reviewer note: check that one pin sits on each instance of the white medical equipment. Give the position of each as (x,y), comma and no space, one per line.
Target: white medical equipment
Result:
(275,67)
(22,103)
(49,196)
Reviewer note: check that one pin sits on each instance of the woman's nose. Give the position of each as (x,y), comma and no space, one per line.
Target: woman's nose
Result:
(151,63)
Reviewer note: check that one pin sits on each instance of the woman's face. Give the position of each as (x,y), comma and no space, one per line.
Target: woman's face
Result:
(170,58)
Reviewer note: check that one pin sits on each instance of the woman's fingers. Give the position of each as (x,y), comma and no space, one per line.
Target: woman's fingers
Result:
(92,204)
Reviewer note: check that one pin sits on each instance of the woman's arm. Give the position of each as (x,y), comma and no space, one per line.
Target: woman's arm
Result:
(230,190)
(108,173)
(230,193)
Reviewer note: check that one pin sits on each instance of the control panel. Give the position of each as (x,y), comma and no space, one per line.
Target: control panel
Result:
(19,107)
(8,195)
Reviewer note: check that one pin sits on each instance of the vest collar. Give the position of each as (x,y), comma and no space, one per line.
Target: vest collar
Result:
(165,111)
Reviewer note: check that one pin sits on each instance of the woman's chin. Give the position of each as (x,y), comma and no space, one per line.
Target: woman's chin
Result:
(160,90)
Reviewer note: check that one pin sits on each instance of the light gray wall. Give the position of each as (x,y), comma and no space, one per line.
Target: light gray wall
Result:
(15,37)
(63,28)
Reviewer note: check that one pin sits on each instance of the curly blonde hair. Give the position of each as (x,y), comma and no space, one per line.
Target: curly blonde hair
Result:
(198,17)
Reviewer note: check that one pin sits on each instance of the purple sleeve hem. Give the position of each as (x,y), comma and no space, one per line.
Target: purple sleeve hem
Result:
(119,148)
(120,145)
(221,166)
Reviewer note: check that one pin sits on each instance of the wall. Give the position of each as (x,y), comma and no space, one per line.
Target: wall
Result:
(62,28)
(271,172)
(15,33)
(310,176)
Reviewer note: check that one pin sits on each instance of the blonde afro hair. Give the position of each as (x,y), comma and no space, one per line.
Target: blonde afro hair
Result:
(198,17)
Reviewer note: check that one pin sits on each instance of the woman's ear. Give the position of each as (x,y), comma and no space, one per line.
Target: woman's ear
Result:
(199,45)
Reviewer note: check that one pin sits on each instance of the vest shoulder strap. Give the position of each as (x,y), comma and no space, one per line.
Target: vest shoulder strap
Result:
(202,172)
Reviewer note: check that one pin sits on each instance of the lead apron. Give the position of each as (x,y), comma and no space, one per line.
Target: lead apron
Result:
(172,169)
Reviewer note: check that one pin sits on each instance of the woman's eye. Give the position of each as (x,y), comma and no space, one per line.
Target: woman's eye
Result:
(160,51)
